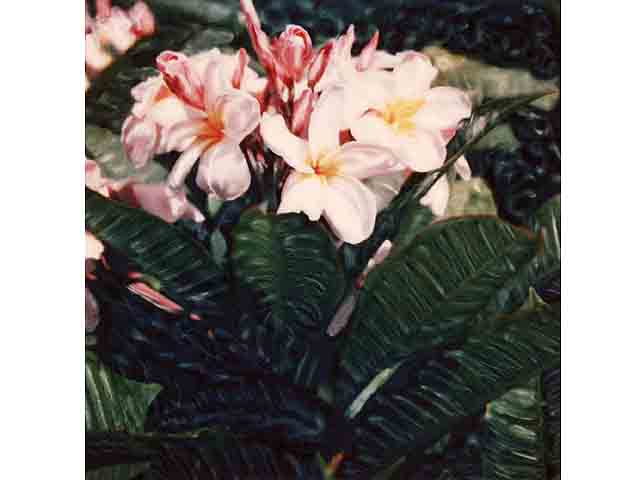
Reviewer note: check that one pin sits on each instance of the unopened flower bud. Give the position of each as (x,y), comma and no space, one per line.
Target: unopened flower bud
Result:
(294,51)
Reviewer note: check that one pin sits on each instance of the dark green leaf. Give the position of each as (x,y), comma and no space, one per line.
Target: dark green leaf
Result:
(513,446)
(551,397)
(209,455)
(427,398)
(433,291)
(113,402)
(184,270)
(291,266)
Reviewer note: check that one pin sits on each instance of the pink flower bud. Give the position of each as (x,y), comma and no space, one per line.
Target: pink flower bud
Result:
(242,59)
(140,139)
(344,44)
(367,54)
(319,64)
(144,23)
(294,51)
(181,78)
(259,39)
(302,113)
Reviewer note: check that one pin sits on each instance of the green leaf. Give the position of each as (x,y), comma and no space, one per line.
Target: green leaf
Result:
(205,455)
(184,270)
(513,446)
(114,403)
(551,401)
(430,395)
(434,291)
(291,266)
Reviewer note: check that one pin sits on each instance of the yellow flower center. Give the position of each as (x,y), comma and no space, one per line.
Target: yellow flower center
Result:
(325,164)
(399,115)
(214,129)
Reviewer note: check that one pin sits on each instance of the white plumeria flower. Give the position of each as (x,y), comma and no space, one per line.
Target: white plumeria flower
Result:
(401,111)
(326,180)
(214,135)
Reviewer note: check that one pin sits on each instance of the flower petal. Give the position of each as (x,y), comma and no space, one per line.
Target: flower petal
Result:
(184,164)
(139,138)
(181,135)
(303,193)
(362,160)
(240,113)
(158,199)
(181,78)
(444,108)
(325,124)
(365,91)
(386,187)
(171,110)
(350,209)
(223,171)
(421,152)
(282,142)
(93,248)
(372,129)
(413,77)
(437,197)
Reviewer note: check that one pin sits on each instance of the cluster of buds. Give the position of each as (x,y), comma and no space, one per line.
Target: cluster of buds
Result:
(345,126)
(113,30)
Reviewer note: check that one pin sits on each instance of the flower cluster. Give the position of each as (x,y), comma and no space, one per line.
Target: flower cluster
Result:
(339,122)
(113,28)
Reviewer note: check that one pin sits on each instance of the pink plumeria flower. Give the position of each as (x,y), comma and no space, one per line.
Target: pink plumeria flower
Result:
(213,133)
(157,109)
(327,177)
(401,111)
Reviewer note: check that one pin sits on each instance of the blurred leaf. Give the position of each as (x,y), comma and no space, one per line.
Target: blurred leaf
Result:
(483,81)
(472,197)
(105,148)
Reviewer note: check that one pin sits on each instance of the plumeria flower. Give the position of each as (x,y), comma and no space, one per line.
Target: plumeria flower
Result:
(401,111)
(114,27)
(157,109)
(220,117)
(327,177)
